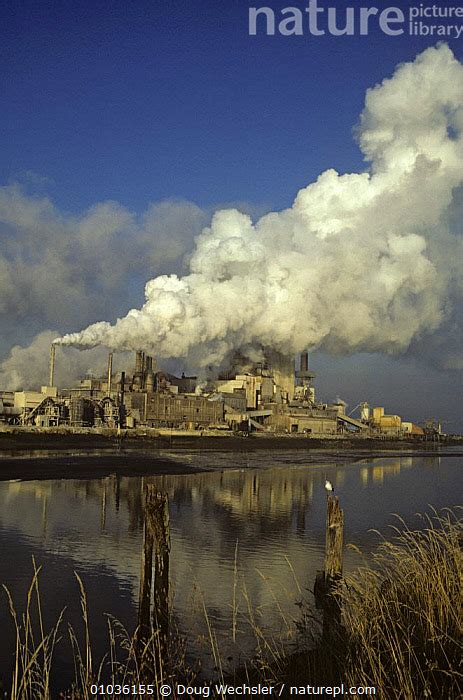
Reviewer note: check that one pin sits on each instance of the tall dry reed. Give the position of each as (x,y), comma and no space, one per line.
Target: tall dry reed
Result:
(403,614)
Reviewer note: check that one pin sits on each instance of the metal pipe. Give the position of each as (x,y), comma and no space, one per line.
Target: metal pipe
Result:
(121,404)
(304,362)
(122,387)
(51,374)
(110,372)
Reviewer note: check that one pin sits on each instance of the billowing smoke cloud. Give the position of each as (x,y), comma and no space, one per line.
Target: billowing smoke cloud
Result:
(360,262)
(28,367)
(58,269)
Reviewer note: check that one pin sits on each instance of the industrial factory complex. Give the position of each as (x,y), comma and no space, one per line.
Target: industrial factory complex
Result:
(266,397)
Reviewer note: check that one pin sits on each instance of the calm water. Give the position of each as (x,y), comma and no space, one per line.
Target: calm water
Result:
(266,511)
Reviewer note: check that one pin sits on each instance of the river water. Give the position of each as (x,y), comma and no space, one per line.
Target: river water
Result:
(247,537)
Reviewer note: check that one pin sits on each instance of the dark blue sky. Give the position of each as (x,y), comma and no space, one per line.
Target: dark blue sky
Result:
(137,101)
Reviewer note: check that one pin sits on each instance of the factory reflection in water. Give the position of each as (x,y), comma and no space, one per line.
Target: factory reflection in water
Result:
(269,520)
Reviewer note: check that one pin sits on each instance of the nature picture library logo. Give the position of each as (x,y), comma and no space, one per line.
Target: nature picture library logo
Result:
(318,19)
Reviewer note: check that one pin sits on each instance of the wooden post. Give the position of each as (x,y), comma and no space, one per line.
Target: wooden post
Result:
(328,580)
(334,540)
(156,537)
(146,577)
(161,565)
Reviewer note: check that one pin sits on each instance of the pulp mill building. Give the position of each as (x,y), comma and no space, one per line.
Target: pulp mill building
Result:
(268,396)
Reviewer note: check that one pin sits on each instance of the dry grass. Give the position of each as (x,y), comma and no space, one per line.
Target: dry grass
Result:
(33,646)
(403,614)
(401,627)
(129,660)
(401,632)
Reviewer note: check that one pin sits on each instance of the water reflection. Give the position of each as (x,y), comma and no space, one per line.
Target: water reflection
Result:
(272,517)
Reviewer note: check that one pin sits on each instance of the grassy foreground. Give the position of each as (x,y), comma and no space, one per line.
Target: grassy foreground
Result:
(402,624)
(404,614)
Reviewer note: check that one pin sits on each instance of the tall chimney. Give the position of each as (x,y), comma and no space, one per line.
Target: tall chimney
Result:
(304,362)
(51,374)
(139,361)
(110,372)
(121,402)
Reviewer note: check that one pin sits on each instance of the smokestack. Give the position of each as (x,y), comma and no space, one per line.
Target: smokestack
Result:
(304,362)
(149,384)
(121,403)
(110,371)
(139,362)
(51,375)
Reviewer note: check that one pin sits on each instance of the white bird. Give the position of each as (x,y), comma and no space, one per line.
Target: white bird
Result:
(329,486)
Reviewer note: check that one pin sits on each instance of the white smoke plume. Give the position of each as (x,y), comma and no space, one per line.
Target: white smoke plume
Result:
(27,367)
(360,262)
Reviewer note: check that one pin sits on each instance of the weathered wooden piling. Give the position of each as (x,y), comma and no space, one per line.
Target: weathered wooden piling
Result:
(155,555)
(334,540)
(161,565)
(328,580)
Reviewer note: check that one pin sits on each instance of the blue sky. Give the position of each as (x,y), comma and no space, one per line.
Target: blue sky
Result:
(139,102)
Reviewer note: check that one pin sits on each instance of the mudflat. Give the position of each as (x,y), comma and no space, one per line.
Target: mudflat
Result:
(56,454)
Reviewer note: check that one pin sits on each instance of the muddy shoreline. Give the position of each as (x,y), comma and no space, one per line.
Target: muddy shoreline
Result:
(29,454)
(19,439)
